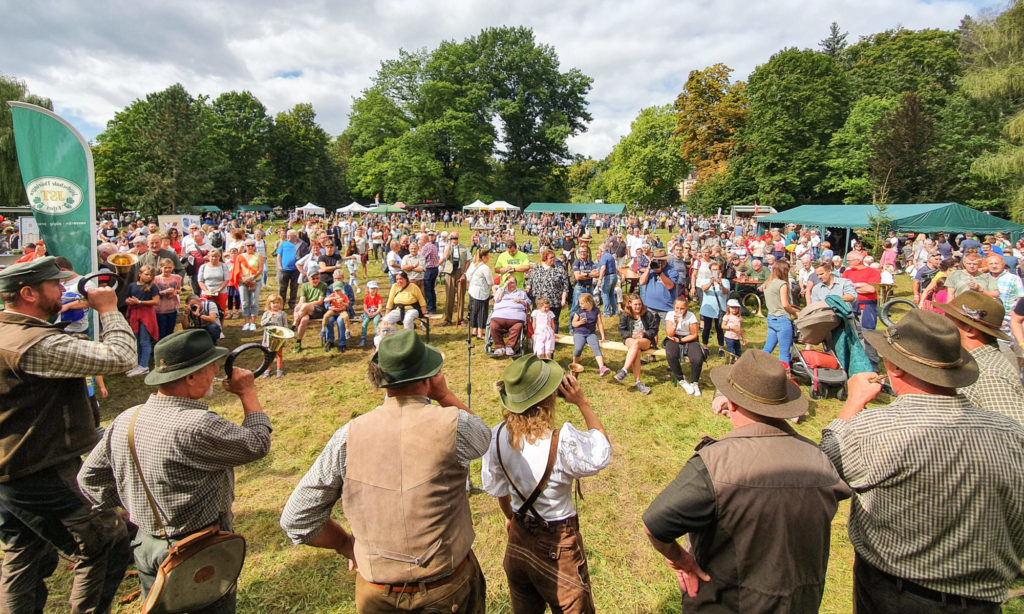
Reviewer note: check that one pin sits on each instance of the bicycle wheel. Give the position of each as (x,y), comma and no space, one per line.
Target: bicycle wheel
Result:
(893,311)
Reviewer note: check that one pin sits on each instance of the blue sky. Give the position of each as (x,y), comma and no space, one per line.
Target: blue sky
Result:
(100,56)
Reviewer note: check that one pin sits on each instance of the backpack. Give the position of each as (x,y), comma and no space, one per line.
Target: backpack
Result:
(216,240)
(815,322)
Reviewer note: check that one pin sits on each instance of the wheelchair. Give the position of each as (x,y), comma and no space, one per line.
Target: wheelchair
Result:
(518,349)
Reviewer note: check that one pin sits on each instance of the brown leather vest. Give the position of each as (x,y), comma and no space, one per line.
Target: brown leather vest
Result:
(43,421)
(405,492)
(775,496)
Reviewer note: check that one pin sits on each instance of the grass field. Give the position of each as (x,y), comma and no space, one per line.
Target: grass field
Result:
(652,437)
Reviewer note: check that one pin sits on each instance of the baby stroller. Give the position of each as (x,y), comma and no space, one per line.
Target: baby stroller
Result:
(819,369)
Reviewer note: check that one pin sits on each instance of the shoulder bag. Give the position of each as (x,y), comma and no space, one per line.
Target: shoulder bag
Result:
(199,569)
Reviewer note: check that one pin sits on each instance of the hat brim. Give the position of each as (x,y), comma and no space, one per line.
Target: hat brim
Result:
(555,375)
(157,377)
(964,375)
(956,313)
(428,367)
(794,406)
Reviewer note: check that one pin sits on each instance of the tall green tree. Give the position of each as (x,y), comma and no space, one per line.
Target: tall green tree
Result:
(900,166)
(154,156)
(850,150)
(537,107)
(899,61)
(993,55)
(709,112)
(796,100)
(12,190)
(834,45)
(304,168)
(240,132)
(645,167)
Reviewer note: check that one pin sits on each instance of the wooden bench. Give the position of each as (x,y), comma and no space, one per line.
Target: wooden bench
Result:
(618,346)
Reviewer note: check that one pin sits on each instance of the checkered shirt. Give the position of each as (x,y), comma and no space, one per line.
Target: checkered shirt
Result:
(937,492)
(998,387)
(1010,289)
(67,356)
(429,254)
(309,507)
(188,455)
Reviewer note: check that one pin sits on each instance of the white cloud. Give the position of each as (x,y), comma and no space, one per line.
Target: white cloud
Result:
(639,53)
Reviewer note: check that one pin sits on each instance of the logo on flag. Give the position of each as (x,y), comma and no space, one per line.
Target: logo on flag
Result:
(54,195)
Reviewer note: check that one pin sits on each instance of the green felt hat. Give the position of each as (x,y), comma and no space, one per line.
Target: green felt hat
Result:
(529,380)
(182,353)
(405,359)
(17,276)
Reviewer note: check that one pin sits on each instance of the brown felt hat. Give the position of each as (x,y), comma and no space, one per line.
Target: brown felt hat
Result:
(977,310)
(927,346)
(757,382)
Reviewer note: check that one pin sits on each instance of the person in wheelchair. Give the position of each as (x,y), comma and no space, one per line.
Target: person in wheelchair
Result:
(405,302)
(511,307)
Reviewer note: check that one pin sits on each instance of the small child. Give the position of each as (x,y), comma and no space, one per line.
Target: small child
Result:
(732,323)
(543,329)
(142,301)
(373,302)
(234,305)
(336,316)
(586,323)
(352,260)
(274,316)
(888,274)
(385,329)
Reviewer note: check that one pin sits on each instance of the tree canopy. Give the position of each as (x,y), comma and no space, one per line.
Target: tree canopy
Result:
(12,189)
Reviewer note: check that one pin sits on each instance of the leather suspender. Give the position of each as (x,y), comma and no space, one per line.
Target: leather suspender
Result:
(541,485)
(138,468)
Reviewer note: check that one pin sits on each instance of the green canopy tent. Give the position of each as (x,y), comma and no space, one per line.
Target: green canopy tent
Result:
(932,217)
(387,209)
(206,208)
(576,208)
(248,208)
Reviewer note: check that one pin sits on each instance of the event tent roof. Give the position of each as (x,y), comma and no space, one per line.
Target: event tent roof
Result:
(207,208)
(583,208)
(386,209)
(253,208)
(311,208)
(932,217)
(476,205)
(353,207)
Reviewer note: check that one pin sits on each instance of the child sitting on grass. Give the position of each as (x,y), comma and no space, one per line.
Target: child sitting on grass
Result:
(586,322)
(274,316)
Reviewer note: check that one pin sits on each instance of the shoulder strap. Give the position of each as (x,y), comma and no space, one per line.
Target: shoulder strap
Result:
(138,468)
(541,484)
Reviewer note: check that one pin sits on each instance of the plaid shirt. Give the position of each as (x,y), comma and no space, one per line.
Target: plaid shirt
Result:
(937,492)
(67,356)
(429,254)
(998,387)
(309,507)
(187,455)
(1010,289)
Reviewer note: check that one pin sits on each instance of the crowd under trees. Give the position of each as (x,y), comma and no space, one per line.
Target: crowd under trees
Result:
(900,116)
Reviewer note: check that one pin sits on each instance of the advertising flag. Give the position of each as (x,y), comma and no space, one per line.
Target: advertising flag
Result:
(56,167)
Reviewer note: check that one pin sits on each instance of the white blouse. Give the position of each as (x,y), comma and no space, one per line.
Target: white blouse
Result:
(580,454)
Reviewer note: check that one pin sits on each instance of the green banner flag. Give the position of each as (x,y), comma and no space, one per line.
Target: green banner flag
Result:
(56,167)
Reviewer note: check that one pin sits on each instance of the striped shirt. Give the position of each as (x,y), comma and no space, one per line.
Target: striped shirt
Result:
(187,454)
(998,387)
(937,492)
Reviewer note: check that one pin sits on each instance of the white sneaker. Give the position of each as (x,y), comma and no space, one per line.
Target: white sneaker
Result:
(222,335)
(686,386)
(694,389)
(509,351)
(133,372)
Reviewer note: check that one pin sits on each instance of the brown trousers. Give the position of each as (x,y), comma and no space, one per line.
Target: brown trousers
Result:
(454,292)
(505,332)
(465,592)
(548,567)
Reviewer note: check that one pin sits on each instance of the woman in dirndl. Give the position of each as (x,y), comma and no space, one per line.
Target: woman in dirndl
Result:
(530,467)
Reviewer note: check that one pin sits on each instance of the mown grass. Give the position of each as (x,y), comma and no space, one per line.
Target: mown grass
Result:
(652,437)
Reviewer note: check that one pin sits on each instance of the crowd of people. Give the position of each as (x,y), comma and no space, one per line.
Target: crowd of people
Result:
(937,514)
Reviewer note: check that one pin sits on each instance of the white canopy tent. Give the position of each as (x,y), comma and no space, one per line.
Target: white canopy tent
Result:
(353,207)
(311,208)
(476,205)
(500,205)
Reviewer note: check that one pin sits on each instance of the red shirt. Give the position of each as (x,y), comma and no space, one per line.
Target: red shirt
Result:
(864,275)
(338,300)
(372,302)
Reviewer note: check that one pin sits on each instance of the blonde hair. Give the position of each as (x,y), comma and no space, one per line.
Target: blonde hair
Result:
(275,298)
(531,424)
(541,302)
(152,273)
(587,300)
(165,262)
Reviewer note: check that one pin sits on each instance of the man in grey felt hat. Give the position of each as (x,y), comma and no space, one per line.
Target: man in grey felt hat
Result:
(187,453)
(936,518)
(757,504)
(47,425)
(400,471)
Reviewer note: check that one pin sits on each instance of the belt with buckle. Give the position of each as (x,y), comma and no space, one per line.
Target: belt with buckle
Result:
(421,586)
(913,588)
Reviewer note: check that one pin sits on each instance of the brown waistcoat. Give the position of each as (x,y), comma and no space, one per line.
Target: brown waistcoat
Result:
(43,421)
(405,492)
(775,496)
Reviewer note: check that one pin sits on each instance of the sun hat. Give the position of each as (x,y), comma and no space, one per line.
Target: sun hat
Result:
(372,283)
(405,359)
(338,285)
(733,303)
(182,353)
(659,254)
(757,382)
(977,310)
(529,380)
(927,346)
(17,276)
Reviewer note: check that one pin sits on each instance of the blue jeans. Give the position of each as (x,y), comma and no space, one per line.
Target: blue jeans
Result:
(608,294)
(868,311)
(577,291)
(44,513)
(214,331)
(579,340)
(780,332)
(165,323)
(250,300)
(430,288)
(336,323)
(144,345)
(733,346)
